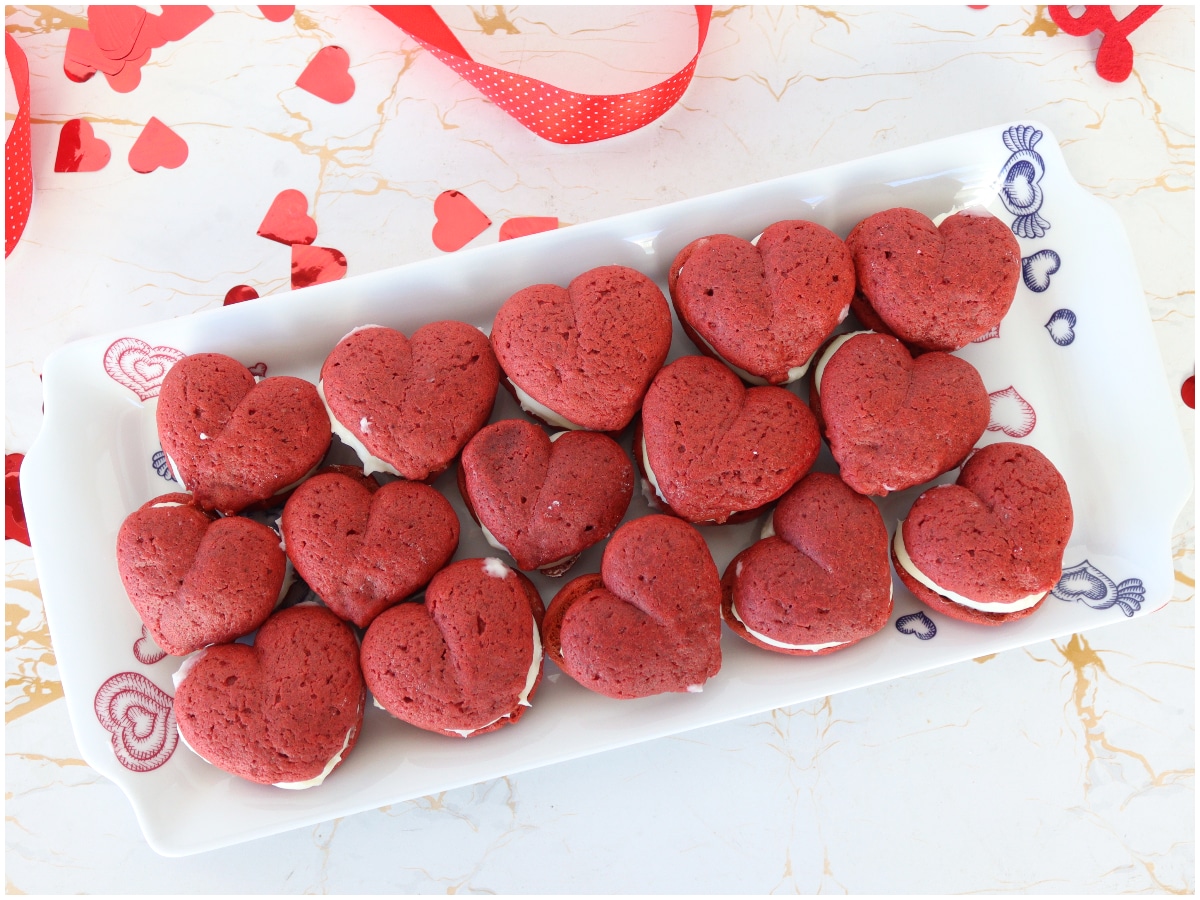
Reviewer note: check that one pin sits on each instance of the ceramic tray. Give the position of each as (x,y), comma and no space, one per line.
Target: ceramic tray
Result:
(1074,371)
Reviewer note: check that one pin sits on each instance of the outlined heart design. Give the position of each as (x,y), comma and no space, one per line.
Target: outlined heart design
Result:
(650,622)
(365,550)
(458,221)
(157,147)
(134,364)
(161,465)
(316,265)
(522,226)
(1037,269)
(288,221)
(1061,326)
(146,651)
(917,624)
(327,75)
(1011,413)
(466,661)
(79,150)
(139,716)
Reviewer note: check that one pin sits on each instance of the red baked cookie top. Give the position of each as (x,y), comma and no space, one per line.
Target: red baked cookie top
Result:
(408,406)
(763,308)
(821,581)
(233,442)
(937,287)
(585,353)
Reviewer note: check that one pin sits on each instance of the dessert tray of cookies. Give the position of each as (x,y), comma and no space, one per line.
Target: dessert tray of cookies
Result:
(1066,383)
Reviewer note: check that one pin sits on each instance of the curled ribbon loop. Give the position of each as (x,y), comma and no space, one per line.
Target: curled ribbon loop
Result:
(563,117)
(18,171)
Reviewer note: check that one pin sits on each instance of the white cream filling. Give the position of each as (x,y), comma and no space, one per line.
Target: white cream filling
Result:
(774,643)
(910,567)
(650,473)
(495,568)
(523,699)
(165,505)
(370,462)
(317,779)
(491,539)
(283,490)
(834,346)
(795,373)
(175,470)
(543,412)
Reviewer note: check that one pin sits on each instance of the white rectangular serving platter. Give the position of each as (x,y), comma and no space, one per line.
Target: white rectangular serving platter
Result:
(1091,375)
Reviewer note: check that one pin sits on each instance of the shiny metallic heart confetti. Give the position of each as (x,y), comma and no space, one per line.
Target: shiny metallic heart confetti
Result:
(157,147)
(459,221)
(327,75)
(316,265)
(288,221)
(79,150)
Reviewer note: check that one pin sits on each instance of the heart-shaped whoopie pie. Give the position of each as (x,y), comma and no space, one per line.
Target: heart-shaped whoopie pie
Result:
(285,711)
(196,579)
(581,357)
(408,406)
(891,420)
(763,308)
(936,287)
(233,442)
(363,548)
(713,450)
(544,500)
(650,622)
(466,661)
(819,579)
(988,548)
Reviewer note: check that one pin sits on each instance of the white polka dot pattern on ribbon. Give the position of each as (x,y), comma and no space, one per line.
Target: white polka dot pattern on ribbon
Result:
(18,172)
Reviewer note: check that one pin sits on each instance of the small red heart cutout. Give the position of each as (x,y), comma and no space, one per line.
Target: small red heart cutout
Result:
(14,510)
(79,150)
(988,548)
(316,265)
(327,75)
(545,501)
(650,622)
(893,421)
(459,221)
(411,405)
(763,308)
(115,28)
(288,221)
(821,581)
(526,225)
(82,58)
(194,579)
(235,442)
(157,146)
(239,293)
(714,450)
(287,710)
(277,13)
(466,661)
(365,550)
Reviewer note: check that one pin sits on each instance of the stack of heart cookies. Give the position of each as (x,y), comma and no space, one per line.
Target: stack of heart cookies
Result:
(457,647)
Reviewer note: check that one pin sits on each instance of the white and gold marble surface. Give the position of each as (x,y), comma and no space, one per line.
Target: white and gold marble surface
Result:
(1065,767)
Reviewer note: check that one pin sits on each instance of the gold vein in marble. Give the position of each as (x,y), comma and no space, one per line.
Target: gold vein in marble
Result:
(498,21)
(1041,24)
(48,19)
(30,673)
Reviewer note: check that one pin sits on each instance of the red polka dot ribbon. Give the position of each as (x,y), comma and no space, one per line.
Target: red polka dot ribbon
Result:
(564,117)
(18,172)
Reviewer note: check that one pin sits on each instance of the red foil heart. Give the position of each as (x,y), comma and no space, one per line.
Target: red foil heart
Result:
(288,221)
(316,265)
(79,150)
(14,510)
(115,29)
(327,75)
(240,294)
(459,221)
(277,13)
(526,225)
(157,147)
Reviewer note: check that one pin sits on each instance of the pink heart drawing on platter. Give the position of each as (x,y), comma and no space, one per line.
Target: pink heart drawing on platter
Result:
(288,221)
(526,225)
(459,221)
(157,146)
(316,265)
(134,364)
(139,716)
(327,75)
(79,150)
(146,651)
(1011,413)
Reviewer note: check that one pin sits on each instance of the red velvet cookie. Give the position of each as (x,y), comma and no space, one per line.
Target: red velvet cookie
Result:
(893,421)
(819,579)
(286,711)
(763,308)
(581,357)
(409,406)
(232,442)
(466,661)
(711,449)
(544,500)
(937,287)
(650,622)
(195,579)
(988,548)
(363,549)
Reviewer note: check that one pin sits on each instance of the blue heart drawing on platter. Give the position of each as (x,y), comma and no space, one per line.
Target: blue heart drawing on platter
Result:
(1020,190)
(1084,583)
(1037,269)
(162,465)
(917,624)
(1061,326)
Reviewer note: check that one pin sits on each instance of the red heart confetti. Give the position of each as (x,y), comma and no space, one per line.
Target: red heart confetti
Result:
(157,146)
(84,58)
(115,29)
(316,265)
(79,150)
(277,13)
(1188,391)
(14,510)
(287,221)
(1114,59)
(240,294)
(525,225)
(459,221)
(327,75)
(130,75)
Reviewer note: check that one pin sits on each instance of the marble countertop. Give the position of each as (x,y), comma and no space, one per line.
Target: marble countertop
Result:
(1065,766)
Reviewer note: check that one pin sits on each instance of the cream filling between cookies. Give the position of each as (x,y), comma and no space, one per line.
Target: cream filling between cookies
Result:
(834,346)
(317,779)
(283,490)
(758,635)
(652,481)
(370,462)
(795,373)
(542,411)
(910,567)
